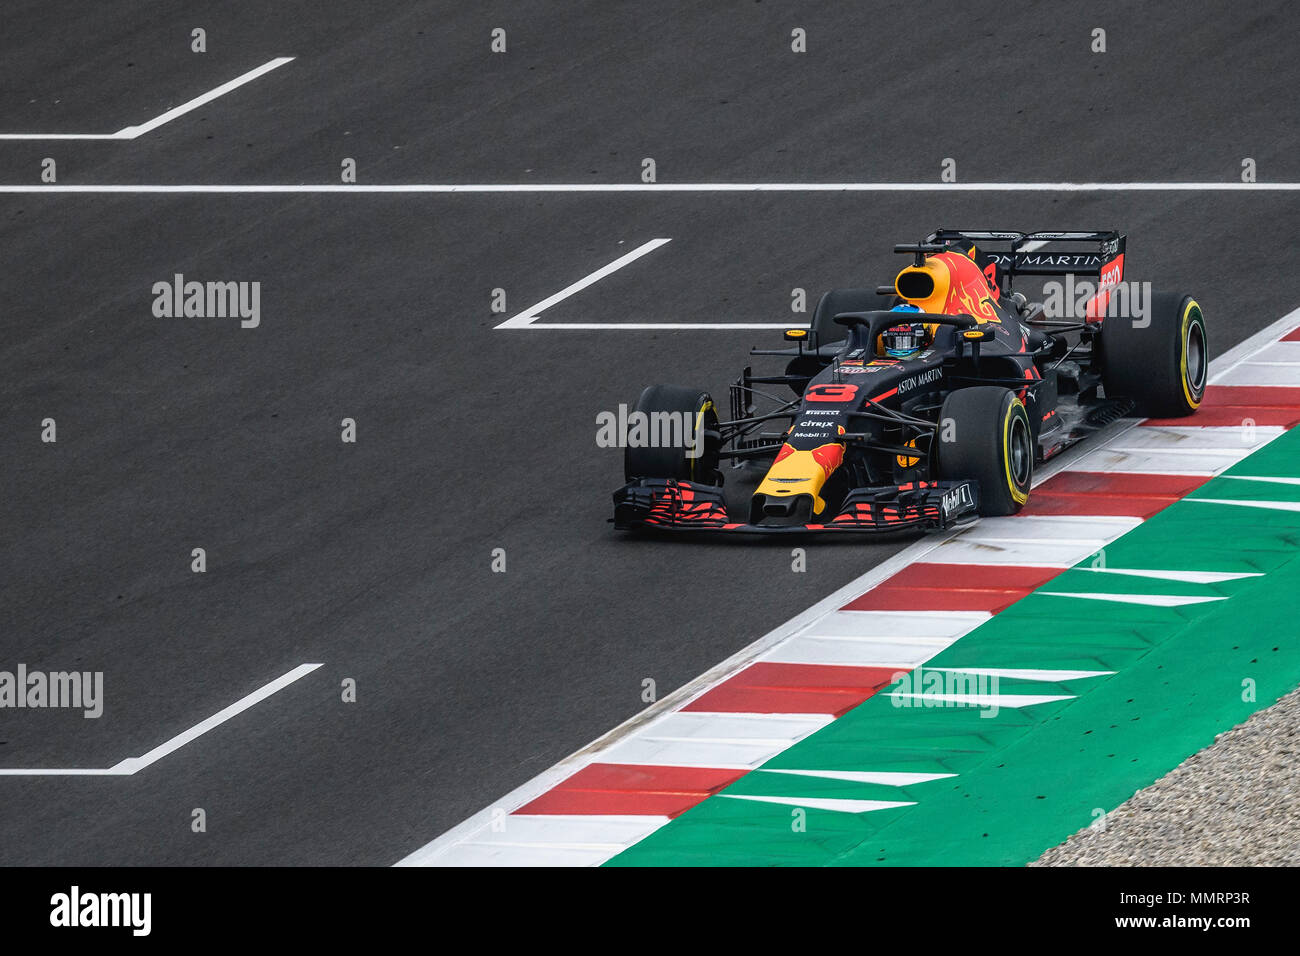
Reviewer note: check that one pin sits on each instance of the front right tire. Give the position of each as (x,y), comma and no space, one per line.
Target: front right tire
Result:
(984,435)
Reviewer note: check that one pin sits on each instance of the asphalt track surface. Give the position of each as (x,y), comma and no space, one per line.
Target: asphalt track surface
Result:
(374,558)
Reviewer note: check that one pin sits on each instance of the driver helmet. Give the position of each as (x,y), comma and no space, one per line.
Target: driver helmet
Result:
(901,341)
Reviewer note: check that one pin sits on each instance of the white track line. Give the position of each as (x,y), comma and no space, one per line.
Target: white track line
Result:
(131,132)
(657,187)
(647,326)
(131,765)
(525,318)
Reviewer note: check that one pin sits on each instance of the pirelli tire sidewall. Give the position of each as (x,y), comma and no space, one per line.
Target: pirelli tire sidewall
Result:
(985,435)
(1161,360)
(693,406)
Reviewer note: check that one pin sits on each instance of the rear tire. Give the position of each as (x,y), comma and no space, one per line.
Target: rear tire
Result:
(1163,365)
(696,408)
(991,442)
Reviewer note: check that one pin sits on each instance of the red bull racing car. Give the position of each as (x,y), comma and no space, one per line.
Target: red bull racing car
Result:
(927,402)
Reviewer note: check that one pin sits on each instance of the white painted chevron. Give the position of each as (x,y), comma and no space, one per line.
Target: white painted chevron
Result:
(1150,600)
(840,805)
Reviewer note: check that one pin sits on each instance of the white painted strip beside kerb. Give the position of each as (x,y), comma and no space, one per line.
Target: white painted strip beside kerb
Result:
(1204,450)
(132,765)
(1199,439)
(901,639)
(132,132)
(1086,532)
(723,740)
(1258,373)
(1242,351)
(1279,353)
(552,840)
(1057,541)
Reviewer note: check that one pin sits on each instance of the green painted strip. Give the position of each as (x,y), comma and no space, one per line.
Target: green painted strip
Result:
(1028,778)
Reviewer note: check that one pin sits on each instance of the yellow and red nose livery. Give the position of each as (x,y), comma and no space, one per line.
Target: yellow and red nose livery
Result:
(795,472)
(829,456)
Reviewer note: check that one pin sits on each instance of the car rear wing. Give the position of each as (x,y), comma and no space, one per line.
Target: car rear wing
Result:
(1105,261)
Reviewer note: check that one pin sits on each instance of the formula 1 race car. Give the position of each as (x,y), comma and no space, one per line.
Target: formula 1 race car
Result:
(927,402)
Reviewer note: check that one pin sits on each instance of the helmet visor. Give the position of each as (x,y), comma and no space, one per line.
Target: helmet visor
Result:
(903,340)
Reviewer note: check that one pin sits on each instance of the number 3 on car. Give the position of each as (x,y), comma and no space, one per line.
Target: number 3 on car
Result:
(831,393)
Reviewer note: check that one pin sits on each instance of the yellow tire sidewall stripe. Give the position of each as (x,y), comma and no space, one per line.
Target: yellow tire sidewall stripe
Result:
(1020,497)
(699,430)
(1192,401)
